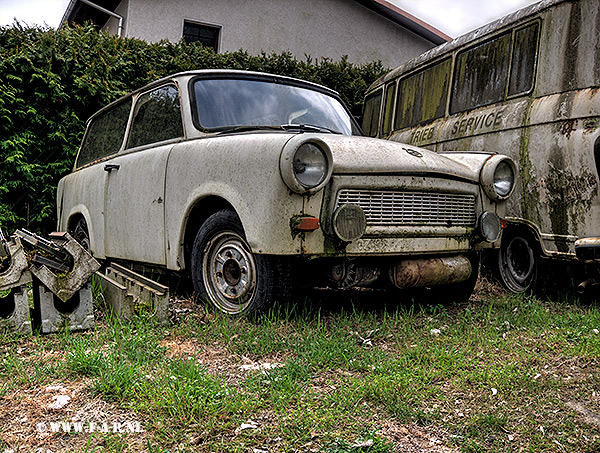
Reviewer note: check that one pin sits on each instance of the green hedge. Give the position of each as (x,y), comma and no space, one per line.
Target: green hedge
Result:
(51,81)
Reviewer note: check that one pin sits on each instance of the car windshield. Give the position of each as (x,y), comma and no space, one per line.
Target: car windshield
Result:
(223,104)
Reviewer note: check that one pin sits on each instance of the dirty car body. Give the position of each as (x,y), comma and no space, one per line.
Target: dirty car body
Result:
(245,179)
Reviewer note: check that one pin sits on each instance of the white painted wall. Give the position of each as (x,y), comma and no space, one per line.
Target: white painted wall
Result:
(319,28)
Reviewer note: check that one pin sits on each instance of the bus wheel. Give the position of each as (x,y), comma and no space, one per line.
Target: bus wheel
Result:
(517,263)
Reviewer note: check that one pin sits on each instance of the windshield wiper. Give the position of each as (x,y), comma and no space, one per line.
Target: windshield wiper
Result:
(249,128)
(308,128)
(283,127)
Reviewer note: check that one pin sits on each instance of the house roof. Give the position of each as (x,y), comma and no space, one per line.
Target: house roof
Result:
(407,20)
(79,12)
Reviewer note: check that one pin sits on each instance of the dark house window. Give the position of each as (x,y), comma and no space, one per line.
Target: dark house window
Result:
(204,34)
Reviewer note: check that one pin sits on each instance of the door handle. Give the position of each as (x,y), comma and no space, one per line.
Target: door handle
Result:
(111,167)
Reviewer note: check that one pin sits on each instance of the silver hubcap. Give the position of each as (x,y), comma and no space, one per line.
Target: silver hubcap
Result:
(229,272)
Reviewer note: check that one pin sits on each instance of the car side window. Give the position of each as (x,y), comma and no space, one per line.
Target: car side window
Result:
(105,134)
(157,117)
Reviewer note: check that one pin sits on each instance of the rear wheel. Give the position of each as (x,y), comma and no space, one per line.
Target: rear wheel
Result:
(227,273)
(517,262)
(81,234)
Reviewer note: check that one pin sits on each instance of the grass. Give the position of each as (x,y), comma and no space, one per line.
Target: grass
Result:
(495,374)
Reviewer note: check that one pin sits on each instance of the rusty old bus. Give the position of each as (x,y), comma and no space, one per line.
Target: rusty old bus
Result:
(526,85)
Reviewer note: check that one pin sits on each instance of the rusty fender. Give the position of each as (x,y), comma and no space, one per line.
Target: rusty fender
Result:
(431,271)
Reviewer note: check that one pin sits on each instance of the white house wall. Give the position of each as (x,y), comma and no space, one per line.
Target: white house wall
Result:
(319,28)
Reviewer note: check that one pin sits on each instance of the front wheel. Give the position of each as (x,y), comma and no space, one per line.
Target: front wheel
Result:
(227,273)
(517,263)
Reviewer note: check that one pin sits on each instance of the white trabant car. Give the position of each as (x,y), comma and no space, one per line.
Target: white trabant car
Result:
(245,180)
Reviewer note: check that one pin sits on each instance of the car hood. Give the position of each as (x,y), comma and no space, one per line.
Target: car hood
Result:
(353,155)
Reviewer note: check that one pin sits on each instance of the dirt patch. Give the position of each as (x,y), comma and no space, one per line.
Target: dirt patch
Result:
(65,416)
(415,439)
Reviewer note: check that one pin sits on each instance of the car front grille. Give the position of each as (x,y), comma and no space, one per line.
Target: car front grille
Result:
(408,208)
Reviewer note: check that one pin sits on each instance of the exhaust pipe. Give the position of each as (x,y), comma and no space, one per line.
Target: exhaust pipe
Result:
(430,272)
(587,286)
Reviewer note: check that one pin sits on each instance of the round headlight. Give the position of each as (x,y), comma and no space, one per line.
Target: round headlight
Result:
(310,165)
(349,222)
(498,177)
(504,179)
(306,164)
(490,226)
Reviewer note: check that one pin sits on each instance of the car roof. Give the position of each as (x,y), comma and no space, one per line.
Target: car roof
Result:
(222,73)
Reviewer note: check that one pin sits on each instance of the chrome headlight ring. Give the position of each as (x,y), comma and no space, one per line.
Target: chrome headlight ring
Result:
(306,166)
(498,177)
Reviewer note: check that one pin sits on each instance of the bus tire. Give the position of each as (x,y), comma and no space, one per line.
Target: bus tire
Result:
(517,262)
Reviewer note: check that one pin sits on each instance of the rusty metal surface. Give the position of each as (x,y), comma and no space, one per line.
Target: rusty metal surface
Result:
(416,273)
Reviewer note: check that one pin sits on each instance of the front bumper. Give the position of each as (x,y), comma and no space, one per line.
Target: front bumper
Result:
(588,249)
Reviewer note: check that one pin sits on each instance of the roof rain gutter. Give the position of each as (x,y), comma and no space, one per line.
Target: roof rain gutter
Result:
(109,12)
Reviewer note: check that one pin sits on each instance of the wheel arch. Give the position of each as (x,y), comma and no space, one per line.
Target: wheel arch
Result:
(527,229)
(200,211)
(96,243)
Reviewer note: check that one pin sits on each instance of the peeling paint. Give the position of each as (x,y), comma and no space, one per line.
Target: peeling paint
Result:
(569,197)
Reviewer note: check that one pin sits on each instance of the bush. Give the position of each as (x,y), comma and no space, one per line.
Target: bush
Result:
(52,81)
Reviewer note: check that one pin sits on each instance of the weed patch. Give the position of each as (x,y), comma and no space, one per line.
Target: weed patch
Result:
(499,373)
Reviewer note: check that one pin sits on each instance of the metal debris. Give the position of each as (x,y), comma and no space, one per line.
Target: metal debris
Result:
(58,270)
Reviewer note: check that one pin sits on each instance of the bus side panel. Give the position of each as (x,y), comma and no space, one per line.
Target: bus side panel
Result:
(552,138)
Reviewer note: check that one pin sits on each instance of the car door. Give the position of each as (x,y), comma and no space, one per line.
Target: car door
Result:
(135,192)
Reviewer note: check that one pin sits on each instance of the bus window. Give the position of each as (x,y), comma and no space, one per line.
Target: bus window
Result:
(371,115)
(480,75)
(422,96)
(523,60)
(388,109)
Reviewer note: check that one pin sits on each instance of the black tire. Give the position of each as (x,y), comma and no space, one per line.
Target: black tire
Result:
(81,233)
(517,262)
(227,274)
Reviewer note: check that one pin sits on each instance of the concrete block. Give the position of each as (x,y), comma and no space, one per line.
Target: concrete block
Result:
(52,314)
(142,293)
(17,273)
(14,310)
(65,286)
(115,296)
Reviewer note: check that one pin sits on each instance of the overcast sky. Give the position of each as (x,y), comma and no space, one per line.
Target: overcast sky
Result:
(453,17)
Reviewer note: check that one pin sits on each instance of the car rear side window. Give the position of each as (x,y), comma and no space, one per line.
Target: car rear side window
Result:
(104,134)
(157,117)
